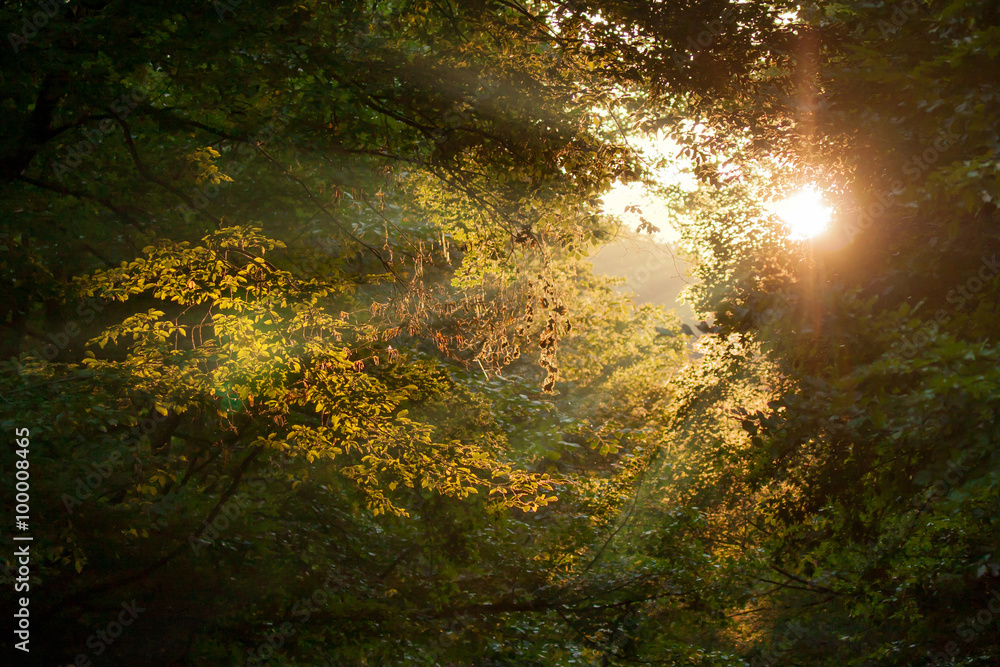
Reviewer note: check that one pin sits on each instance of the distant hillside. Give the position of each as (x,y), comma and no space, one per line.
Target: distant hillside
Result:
(655,272)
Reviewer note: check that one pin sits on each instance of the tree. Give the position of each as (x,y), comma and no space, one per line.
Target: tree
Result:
(274,402)
(861,490)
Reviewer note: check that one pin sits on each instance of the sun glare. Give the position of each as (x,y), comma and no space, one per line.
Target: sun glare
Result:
(803,213)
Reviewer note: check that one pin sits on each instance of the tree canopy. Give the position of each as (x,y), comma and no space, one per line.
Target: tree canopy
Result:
(303,362)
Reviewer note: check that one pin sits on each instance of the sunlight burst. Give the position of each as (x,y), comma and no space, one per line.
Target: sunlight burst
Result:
(803,213)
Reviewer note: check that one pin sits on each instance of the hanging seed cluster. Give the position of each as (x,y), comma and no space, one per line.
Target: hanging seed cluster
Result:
(478,328)
(490,325)
(553,311)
